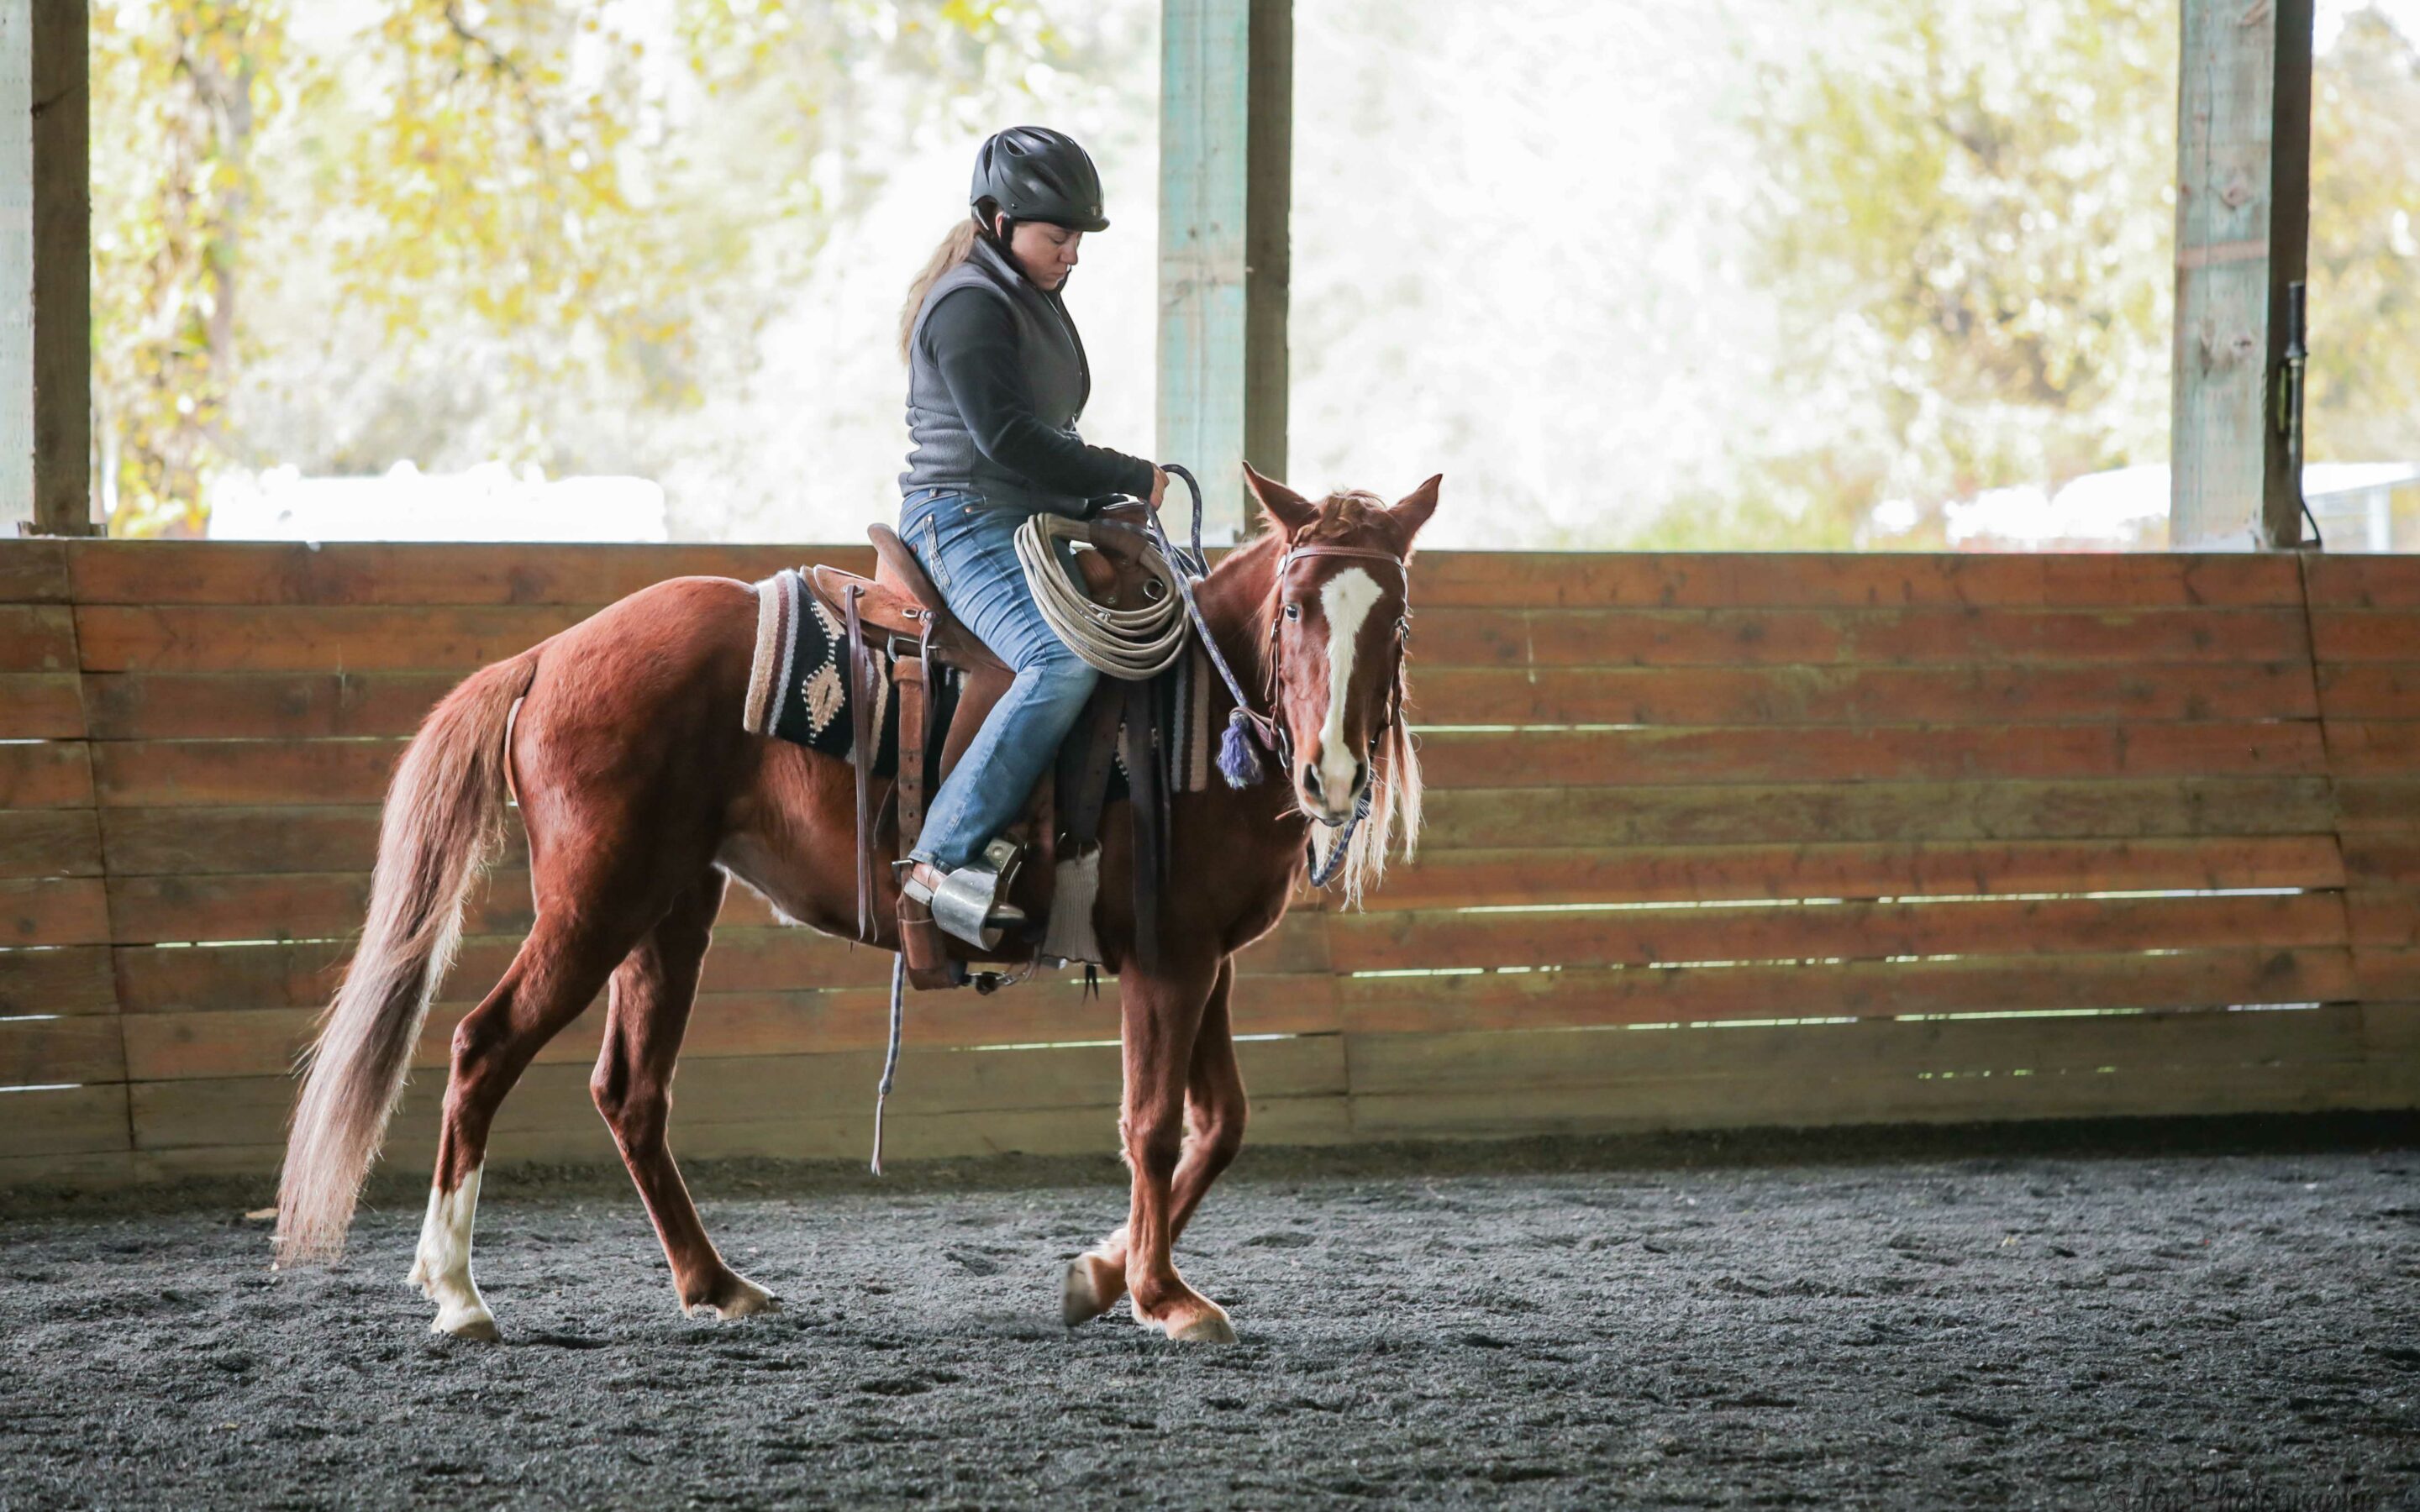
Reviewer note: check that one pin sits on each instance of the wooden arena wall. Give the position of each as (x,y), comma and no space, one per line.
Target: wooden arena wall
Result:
(1713,841)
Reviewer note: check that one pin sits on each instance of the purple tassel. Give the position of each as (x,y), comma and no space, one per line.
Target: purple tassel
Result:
(1238,762)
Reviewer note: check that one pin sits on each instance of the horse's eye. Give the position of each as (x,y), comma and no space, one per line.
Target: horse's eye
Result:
(1294,611)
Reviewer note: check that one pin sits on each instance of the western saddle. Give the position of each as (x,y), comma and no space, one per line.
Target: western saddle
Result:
(899,610)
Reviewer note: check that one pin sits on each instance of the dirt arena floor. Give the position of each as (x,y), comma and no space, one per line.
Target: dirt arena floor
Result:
(2066,1318)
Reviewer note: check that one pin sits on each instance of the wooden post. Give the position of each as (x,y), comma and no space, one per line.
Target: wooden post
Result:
(2243,173)
(1225,191)
(62,142)
(16,265)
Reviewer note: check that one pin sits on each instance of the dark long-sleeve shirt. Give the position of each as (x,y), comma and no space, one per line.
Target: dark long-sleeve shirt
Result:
(973,340)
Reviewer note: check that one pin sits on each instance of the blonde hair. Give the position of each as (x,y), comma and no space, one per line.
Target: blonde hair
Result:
(955,249)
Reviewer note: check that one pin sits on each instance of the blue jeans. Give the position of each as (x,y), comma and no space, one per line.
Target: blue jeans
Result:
(970,549)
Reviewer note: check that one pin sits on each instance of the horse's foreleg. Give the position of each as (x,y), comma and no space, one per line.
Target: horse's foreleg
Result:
(653,990)
(1163,1018)
(1214,1114)
(556,973)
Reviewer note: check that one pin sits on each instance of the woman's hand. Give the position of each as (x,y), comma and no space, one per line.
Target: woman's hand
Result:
(1159,487)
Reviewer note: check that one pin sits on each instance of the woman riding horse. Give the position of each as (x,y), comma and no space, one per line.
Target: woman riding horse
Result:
(643,793)
(996,380)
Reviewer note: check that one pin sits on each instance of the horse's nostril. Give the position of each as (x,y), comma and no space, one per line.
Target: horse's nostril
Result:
(1310,782)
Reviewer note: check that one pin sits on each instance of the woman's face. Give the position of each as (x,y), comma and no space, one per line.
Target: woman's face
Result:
(1043,252)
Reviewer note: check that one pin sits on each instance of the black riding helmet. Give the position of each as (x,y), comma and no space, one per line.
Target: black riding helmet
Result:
(1036,174)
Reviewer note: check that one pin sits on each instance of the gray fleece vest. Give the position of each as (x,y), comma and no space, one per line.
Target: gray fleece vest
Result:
(943,454)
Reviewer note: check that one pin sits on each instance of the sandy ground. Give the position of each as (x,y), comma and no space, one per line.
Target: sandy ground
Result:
(1852,1322)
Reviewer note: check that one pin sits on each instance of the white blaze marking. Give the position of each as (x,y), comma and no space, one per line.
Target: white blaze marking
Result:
(442,1267)
(1346,599)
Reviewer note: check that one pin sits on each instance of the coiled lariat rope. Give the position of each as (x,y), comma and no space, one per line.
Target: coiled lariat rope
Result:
(1129,644)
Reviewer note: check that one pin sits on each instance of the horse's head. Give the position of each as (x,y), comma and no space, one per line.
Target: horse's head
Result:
(1339,617)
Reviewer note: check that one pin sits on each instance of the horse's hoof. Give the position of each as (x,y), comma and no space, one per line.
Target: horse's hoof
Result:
(741,1298)
(1211,1328)
(1079,1297)
(477,1325)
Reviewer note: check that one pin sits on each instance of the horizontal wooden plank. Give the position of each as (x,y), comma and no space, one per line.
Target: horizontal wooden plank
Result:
(752,1088)
(54,911)
(75,1048)
(1540,1061)
(268,573)
(45,773)
(1581,997)
(37,638)
(182,639)
(1826,812)
(761,958)
(261,705)
(1851,580)
(166,773)
(49,843)
(33,571)
(2374,691)
(396,573)
(1755,635)
(2363,581)
(2374,747)
(2342,636)
(206,840)
(297,906)
(104,1171)
(64,1120)
(568,1137)
(40,706)
(1709,874)
(266,1041)
(1773,1099)
(2383,915)
(2379,803)
(1511,692)
(2389,974)
(1817,932)
(66,979)
(2388,858)
(1580,758)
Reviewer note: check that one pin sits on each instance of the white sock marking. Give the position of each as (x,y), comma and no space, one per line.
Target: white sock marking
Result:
(442,1270)
(1346,599)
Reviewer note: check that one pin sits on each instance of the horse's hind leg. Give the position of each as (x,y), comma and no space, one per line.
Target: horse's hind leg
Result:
(653,990)
(558,971)
(1213,1117)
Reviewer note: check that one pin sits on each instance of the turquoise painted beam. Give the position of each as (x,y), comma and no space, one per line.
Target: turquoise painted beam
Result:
(1225,138)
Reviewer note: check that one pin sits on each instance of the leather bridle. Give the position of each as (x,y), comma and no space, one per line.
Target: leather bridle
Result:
(1274,726)
(1267,731)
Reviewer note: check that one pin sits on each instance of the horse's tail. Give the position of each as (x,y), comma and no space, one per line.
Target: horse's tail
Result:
(443,823)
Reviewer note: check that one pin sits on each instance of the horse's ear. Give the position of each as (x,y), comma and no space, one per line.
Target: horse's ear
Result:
(1414,509)
(1290,510)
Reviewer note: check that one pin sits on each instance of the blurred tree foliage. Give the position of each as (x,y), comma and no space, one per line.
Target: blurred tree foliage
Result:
(1969,215)
(2364,404)
(1969,210)
(523,229)
(179,93)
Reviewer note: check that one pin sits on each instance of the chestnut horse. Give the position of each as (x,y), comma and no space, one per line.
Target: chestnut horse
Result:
(642,794)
